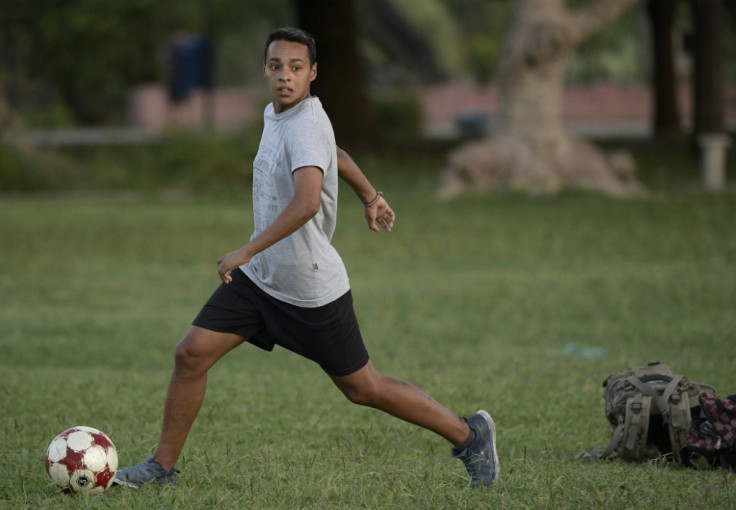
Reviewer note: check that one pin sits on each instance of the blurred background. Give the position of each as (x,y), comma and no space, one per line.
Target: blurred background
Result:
(75,73)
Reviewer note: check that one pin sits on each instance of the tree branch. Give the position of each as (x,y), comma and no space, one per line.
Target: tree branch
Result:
(590,18)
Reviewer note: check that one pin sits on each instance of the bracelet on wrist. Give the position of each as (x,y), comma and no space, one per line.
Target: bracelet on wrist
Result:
(372,201)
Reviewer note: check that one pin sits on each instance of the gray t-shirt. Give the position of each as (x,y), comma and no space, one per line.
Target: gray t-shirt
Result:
(303,269)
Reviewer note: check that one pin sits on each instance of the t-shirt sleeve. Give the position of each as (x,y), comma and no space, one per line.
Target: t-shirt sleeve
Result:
(308,145)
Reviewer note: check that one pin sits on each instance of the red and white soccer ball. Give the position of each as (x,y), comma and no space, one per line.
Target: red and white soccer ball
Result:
(82,459)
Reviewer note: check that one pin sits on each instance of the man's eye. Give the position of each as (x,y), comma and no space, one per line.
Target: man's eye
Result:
(296,68)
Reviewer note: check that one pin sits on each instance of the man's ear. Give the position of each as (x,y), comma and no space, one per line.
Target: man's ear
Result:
(313,72)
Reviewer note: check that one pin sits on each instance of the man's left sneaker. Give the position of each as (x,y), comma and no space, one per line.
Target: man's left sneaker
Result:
(480,456)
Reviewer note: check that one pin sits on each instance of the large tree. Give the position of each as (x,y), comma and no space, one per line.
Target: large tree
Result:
(708,81)
(341,82)
(530,149)
(667,121)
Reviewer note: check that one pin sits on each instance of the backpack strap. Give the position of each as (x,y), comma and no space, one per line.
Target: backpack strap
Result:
(675,408)
(617,437)
(663,399)
(679,423)
(636,426)
(670,389)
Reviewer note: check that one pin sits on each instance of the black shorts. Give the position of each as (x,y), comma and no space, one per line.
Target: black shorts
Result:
(328,335)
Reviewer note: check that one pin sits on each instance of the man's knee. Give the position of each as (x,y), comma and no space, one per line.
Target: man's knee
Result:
(200,349)
(190,358)
(185,358)
(361,395)
(364,391)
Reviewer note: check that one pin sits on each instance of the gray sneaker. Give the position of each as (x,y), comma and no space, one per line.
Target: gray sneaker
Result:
(148,471)
(480,457)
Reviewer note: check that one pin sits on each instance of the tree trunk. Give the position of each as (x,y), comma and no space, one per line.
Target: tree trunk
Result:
(531,149)
(708,86)
(340,82)
(667,121)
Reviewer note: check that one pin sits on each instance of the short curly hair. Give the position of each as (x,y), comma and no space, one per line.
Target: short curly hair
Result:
(294,35)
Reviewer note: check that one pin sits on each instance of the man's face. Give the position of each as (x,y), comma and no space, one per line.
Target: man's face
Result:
(288,73)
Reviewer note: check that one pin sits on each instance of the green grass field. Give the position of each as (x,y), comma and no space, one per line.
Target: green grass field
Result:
(518,305)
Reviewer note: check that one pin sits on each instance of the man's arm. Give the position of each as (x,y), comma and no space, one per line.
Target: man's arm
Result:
(377,210)
(302,207)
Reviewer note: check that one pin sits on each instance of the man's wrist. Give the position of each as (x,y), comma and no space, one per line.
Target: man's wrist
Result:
(246,253)
(373,200)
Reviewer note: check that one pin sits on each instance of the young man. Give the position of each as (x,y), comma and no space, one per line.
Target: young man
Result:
(288,286)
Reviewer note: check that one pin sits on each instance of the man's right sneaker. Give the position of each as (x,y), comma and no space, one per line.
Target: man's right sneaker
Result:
(148,471)
(480,456)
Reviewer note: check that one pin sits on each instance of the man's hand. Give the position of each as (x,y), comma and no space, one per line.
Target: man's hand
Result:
(227,263)
(380,213)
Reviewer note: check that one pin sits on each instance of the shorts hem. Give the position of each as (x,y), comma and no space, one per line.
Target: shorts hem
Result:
(348,371)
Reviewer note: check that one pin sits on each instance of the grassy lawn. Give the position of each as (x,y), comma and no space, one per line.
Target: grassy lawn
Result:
(518,305)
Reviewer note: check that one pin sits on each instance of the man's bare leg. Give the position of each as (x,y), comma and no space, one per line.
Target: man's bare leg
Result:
(400,399)
(473,438)
(195,355)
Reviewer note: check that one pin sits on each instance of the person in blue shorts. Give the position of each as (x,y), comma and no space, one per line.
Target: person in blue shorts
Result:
(288,286)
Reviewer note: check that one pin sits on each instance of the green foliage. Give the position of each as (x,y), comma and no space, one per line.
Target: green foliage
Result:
(474,300)
(181,161)
(186,162)
(484,50)
(616,53)
(32,171)
(398,114)
(483,26)
(89,53)
(433,19)
(666,166)
(94,50)
(17,172)
(51,113)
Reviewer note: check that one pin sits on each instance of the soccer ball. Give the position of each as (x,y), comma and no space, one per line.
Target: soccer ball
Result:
(82,459)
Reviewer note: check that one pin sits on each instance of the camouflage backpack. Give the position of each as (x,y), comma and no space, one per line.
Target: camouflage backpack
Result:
(649,410)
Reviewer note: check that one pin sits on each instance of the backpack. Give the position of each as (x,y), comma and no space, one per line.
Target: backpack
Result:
(712,434)
(650,410)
